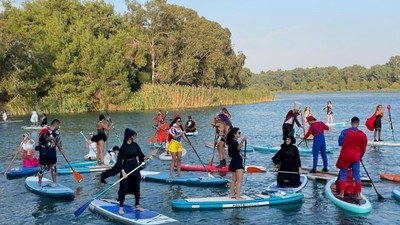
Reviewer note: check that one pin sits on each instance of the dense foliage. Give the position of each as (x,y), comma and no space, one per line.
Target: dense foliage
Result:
(69,56)
(352,78)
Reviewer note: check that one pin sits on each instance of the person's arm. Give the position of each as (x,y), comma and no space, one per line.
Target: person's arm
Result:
(310,130)
(244,139)
(342,136)
(325,126)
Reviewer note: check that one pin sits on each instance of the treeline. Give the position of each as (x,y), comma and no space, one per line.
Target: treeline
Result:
(75,56)
(351,78)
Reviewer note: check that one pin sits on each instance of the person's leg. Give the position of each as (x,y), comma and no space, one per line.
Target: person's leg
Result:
(315,151)
(173,162)
(239,178)
(232,185)
(324,157)
(53,170)
(379,135)
(101,152)
(375,131)
(40,175)
(357,178)
(342,182)
(178,162)
(221,146)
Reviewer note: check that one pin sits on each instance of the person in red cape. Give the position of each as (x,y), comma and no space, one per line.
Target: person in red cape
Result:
(378,122)
(317,129)
(354,144)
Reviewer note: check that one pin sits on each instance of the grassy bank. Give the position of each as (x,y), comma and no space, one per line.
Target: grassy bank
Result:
(150,96)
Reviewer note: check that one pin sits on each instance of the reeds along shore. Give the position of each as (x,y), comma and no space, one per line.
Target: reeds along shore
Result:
(150,96)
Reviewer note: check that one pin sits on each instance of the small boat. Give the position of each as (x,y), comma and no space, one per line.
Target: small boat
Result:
(109,209)
(21,171)
(390,176)
(214,168)
(384,143)
(186,179)
(396,193)
(81,163)
(348,203)
(11,121)
(275,187)
(321,176)
(32,128)
(211,145)
(339,124)
(277,148)
(167,156)
(87,169)
(192,133)
(47,188)
(250,200)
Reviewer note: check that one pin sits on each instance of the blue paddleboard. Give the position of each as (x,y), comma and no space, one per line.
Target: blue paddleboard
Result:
(275,187)
(47,189)
(21,172)
(186,179)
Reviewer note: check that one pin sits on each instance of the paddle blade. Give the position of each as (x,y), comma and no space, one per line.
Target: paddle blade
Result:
(151,140)
(77,176)
(81,209)
(388,107)
(254,170)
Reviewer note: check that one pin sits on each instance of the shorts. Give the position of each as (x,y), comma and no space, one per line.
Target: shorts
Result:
(47,156)
(98,137)
(174,146)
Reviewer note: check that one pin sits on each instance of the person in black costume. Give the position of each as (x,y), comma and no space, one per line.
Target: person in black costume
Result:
(288,158)
(236,164)
(110,172)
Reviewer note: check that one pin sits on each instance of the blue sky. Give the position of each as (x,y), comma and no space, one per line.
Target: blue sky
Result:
(285,34)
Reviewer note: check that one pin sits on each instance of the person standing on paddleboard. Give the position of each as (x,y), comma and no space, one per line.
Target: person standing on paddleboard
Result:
(236,164)
(317,129)
(354,143)
(307,112)
(100,138)
(34,118)
(378,122)
(288,160)
(328,108)
(49,139)
(176,133)
(290,119)
(129,157)
(220,140)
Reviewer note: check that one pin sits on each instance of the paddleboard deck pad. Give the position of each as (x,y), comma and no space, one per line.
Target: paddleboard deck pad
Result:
(275,187)
(186,179)
(109,208)
(21,171)
(214,168)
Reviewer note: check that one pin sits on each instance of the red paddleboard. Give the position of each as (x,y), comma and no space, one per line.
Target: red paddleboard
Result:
(390,176)
(214,168)
(370,123)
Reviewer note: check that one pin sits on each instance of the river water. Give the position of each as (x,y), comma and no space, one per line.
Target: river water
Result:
(260,122)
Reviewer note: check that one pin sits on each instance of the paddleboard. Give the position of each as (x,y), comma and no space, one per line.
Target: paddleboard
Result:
(396,193)
(109,209)
(21,172)
(348,203)
(185,179)
(81,163)
(163,145)
(214,168)
(211,145)
(321,176)
(250,200)
(32,128)
(192,133)
(59,191)
(164,156)
(87,169)
(390,176)
(301,150)
(12,121)
(384,143)
(275,187)
(340,124)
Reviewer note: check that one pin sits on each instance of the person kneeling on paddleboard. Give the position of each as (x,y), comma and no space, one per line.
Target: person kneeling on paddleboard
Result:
(354,144)
(114,170)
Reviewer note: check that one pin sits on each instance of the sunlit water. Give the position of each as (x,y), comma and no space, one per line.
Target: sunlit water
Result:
(260,122)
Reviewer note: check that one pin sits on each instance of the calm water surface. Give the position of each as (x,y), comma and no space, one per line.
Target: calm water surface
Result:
(260,122)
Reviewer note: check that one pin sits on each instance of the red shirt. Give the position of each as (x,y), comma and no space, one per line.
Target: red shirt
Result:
(354,146)
(317,128)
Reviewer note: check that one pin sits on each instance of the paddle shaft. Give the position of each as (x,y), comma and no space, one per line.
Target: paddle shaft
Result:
(15,156)
(77,176)
(244,161)
(112,125)
(80,210)
(304,130)
(380,197)
(391,124)
(215,143)
(201,161)
(87,141)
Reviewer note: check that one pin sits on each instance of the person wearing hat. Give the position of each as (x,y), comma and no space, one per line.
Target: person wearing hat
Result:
(288,158)
(291,118)
(190,125)
(92,146)
(317,129)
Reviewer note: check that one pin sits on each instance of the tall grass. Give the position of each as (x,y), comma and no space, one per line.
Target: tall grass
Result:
(150,96)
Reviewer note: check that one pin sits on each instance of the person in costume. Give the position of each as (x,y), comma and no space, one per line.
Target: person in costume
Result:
(236,164)
(129,157)
(110,156)
(290,119)
(328,108)
(378,122)
(28,152)
(354,144)
(100,138)
(158,118)
(190,125)
(92,146)
(175,145)
(162,133)
(317,129)
(287,159)
(307,112)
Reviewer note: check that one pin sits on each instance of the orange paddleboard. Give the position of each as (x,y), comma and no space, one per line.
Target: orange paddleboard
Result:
(391,176)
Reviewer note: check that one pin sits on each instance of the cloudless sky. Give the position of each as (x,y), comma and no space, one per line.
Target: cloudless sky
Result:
(285,34)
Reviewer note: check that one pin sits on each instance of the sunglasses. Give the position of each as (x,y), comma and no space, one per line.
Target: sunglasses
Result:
(239,132)
(179,121)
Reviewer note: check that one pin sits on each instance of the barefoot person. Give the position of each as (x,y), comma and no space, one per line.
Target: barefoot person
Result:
(100,138)
(129,157)
(49,139)
(236,164)
(175,145)
(92,146)
(354,144)
(28,154)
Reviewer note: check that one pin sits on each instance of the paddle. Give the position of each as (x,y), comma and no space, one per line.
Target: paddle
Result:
(215,143)
(380,197)
(201,161)
(87,141)
(304,130)
(15,156)
(77,176)
(81,209)
(244,161)
(112,125)
(390,119)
